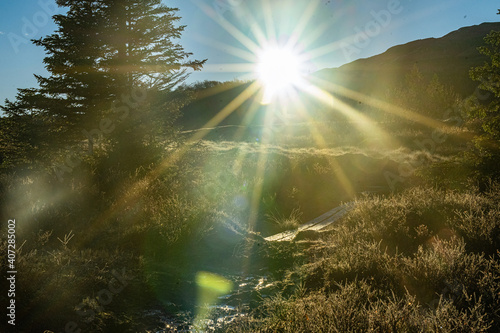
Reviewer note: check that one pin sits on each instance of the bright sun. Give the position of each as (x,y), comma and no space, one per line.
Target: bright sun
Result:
(278,70)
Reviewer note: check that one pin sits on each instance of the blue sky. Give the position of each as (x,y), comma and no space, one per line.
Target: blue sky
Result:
(215,28)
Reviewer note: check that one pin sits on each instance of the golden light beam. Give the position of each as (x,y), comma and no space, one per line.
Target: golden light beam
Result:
(316,34)
(300,107)
(257,189)
(301,25)
(226,25)
(249,115)
(246,120)
(256,196)
(230,49)
(228,109)
(134,192)
(259,174)
(362,122)
(381,105)
(329,48)
(320,141)
(269,21)
(259,34)
(218,89)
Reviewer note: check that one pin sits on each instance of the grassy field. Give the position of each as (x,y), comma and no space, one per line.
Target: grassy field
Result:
(424,260)
(418,254)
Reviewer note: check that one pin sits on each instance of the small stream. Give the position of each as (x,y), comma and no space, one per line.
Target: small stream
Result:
(248,290)
(247,293)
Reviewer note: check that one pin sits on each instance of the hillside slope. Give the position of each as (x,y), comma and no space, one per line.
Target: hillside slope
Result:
(450,57)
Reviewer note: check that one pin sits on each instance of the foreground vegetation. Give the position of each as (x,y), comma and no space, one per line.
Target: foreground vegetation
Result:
(425,260)
(421,258)
(140,226)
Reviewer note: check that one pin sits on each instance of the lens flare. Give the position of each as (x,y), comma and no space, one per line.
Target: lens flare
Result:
(279,71)
(210,287)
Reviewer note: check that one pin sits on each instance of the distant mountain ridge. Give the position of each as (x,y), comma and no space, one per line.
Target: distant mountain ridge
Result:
(450,57)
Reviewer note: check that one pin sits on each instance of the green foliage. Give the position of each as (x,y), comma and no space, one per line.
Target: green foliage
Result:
(357,307)
(113,68)
(484,110)
(425,96)
(25,134)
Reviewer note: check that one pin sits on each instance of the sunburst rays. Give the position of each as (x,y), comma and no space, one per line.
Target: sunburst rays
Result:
(247,49)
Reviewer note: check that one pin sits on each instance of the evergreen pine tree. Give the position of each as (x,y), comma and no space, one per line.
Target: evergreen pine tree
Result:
(105,57)
(486,111)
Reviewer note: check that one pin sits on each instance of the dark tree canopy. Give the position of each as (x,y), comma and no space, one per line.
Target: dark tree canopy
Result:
(105,57)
